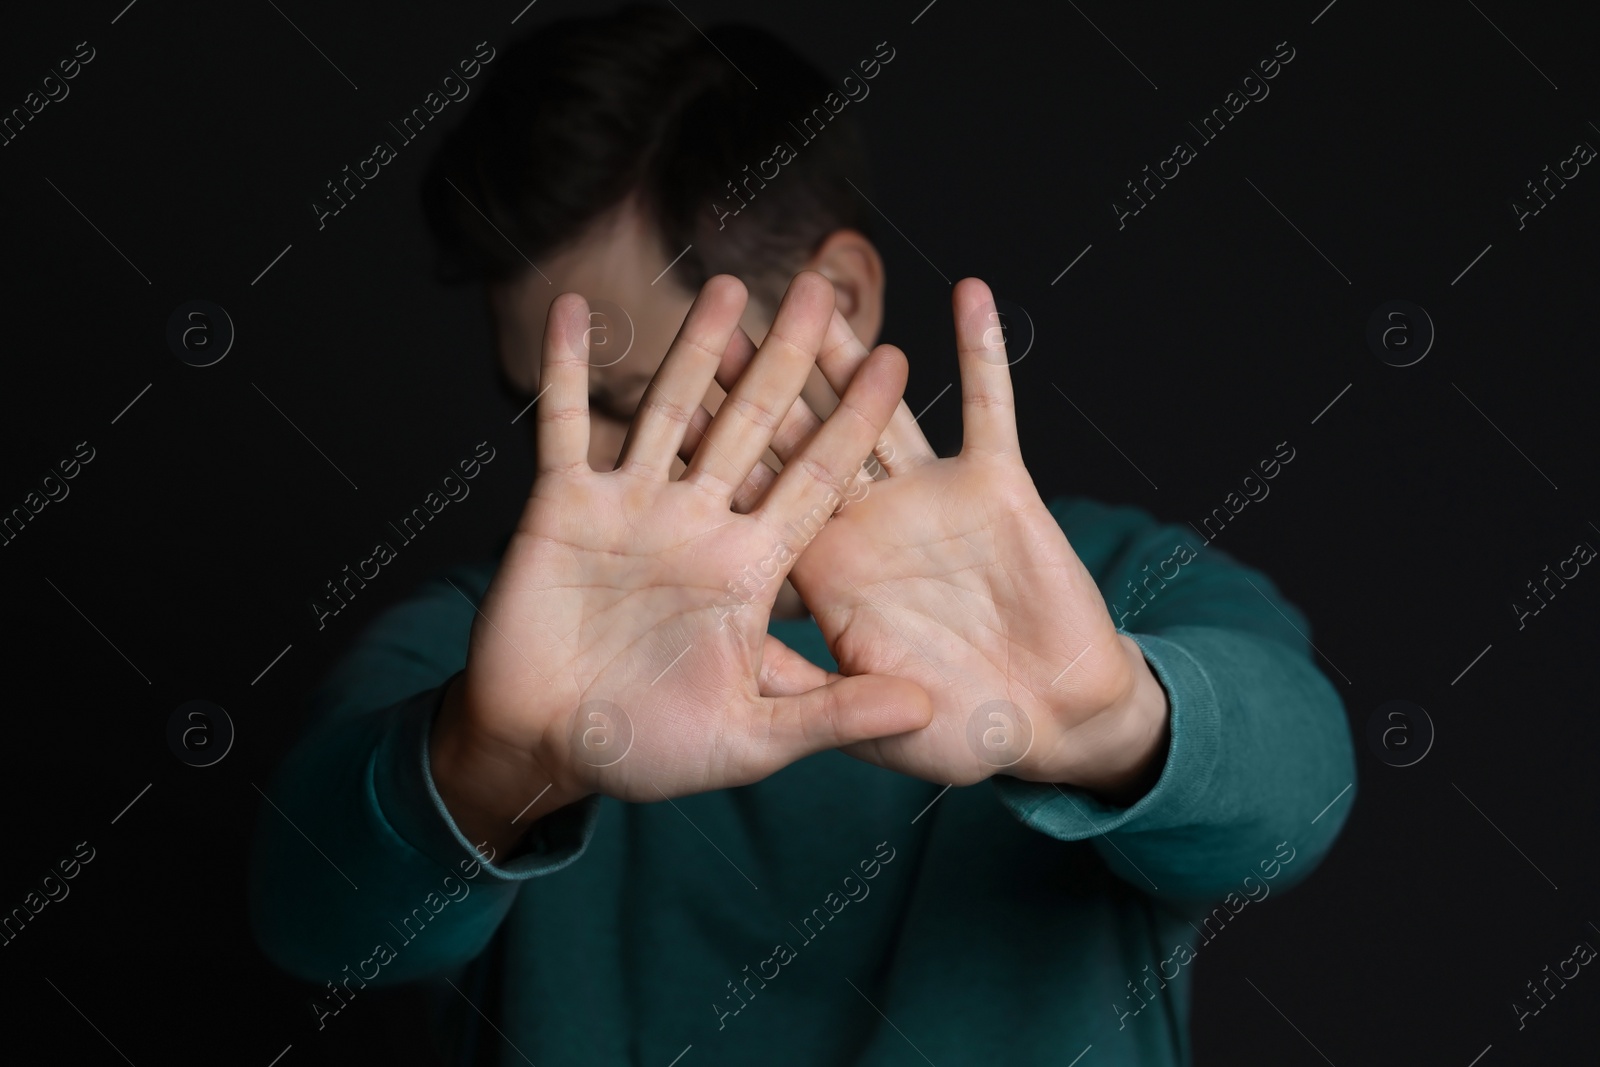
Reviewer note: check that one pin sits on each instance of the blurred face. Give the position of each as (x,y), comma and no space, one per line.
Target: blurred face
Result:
(618,268)
(636,306)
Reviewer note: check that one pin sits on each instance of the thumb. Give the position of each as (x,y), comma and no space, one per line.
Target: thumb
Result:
(843,712)
(786,673)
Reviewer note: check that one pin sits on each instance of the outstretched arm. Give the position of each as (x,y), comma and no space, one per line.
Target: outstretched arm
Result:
(1258,773)
(1184,748)
(602,659)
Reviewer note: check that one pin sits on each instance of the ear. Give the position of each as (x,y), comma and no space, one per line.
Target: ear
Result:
(851,262)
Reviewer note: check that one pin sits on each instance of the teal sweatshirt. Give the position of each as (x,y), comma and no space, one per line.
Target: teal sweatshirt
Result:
(835,913)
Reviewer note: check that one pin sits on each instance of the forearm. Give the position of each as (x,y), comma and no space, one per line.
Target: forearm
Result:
(1257,744)
(1259,749)
(332,874)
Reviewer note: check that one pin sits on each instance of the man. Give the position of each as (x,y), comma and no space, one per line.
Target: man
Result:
(638,798)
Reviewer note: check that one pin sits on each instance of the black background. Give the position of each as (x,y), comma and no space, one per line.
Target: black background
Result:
(1195,339)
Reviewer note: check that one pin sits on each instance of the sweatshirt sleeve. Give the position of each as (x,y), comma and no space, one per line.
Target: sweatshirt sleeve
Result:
(1260,760)
(354,851)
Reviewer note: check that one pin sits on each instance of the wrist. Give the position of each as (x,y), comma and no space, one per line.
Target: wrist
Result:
(493,791)
(1118,752)
(1141,727)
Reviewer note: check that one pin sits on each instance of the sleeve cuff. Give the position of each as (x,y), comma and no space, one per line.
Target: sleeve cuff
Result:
(400,781)
(1068,813)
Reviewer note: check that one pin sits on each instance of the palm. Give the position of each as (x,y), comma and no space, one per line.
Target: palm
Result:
(955,575)
(609,654)
(628,576)
(951,573)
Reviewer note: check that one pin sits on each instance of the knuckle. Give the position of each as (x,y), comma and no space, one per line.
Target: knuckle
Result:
(698,346)
(784,347)
(659,405)
(989,401)
(853,409)
(820,473)
(709,483)
(566,359)
(571,469)
(750,408)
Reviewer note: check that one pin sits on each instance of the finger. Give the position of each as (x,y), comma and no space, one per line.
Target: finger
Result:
(988,410)
(844,712)
(755,483)
(561,435)
(750,415)
(797,426)
(904,445)
(801,420)
(785,672)
(827,472)
(679,385)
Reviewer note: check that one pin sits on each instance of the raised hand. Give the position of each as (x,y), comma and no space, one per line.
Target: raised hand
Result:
(953,574)
(605,657)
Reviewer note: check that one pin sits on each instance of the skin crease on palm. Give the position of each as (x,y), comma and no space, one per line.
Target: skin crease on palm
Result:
(947,587)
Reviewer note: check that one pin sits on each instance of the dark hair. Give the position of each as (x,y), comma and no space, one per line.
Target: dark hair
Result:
(581,113)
